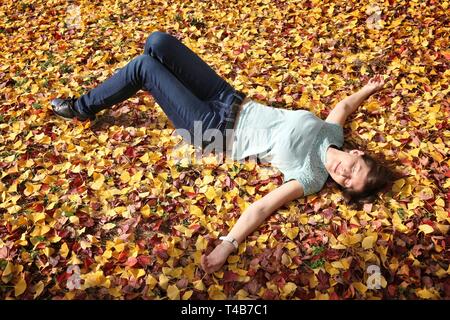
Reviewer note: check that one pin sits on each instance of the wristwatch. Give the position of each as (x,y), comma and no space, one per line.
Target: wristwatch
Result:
(230,240)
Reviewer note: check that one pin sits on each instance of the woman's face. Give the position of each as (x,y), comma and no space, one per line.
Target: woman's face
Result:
(349,169)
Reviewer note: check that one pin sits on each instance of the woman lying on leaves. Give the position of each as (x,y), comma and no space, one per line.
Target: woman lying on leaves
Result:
(303,147)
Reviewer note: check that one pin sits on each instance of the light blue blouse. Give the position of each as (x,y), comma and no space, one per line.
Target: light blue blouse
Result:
(293,141)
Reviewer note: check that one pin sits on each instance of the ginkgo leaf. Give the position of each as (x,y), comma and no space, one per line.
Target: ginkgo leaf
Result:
(20,287)
(173,293)
(99,179)
(425,228)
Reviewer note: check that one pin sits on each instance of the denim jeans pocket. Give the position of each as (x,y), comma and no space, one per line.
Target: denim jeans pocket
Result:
(222,109)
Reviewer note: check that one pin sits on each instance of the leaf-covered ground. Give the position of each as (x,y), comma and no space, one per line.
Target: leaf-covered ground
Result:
(103,210)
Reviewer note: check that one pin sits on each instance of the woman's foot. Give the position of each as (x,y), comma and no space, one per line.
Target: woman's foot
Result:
(65,109)
(216,259)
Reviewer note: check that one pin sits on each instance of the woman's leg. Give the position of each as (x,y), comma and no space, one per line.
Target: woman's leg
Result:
(188,67)
(123,84)
(180,105)
(184,64)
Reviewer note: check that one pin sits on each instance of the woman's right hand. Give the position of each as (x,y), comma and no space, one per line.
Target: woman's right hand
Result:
(216,259)
(375,83)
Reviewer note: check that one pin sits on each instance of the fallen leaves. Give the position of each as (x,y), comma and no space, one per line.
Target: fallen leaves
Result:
(107,211)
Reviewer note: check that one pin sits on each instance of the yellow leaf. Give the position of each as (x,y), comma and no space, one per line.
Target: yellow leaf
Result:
(196,211)
(94,279)
(38,288)
(349,240)
(289,288)
(151,281)
(108,226)
(20,287)
(125,177)
(292,232)
(163,281)
(210,193)
(9,268)
(368,242)
(74,259)
(415,152)
(64,250)
(215,292)
(286,260)
(136,178)
(43,230)
(187,295)
(145,211)
(262,238)
(233,259)
(427,294)
(31,188)
(99,179)
(44,139)
(173,293)
(277,56)
(425,228)
(303,219)
(137,273)
(443,229)
(198,285)
(436,156)
(440,202)
(38,216)
(397,222)
(97,58)
(107,254)
(48,251)
(360,287)
(144,158)
(34,88)
(288,99)
(344,263)
(398,184)
(201,243)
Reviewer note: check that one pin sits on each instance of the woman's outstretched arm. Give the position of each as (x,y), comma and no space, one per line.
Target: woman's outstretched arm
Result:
(348,105)
(251,219)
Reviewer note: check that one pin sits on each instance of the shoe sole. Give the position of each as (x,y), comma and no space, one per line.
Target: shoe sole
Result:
(69,119)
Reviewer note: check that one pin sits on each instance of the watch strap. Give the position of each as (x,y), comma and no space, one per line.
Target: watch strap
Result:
(230,240)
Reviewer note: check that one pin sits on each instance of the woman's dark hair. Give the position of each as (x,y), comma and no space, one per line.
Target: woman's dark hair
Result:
(378,178)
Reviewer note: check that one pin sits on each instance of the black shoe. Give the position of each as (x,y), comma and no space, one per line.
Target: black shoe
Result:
(64,108)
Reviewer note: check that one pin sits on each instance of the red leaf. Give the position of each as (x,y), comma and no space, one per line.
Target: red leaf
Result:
(334,296)
(269,295)
(130,152)
(144,260)
(446,54)
(392,290)
(157,225)
(230,276)
(297,260)
(251,272)
(75,247)
(122,256)
(88,261)
(38,207)
(131,261)
(4,252)
(62,277)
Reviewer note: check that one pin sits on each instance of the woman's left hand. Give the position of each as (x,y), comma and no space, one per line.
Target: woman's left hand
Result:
(216,259)
(375,83)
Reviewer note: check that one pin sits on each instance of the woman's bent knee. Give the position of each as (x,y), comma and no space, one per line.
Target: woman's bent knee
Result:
(156,41)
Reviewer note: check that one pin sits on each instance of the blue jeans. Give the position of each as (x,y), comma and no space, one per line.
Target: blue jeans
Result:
(185,87)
